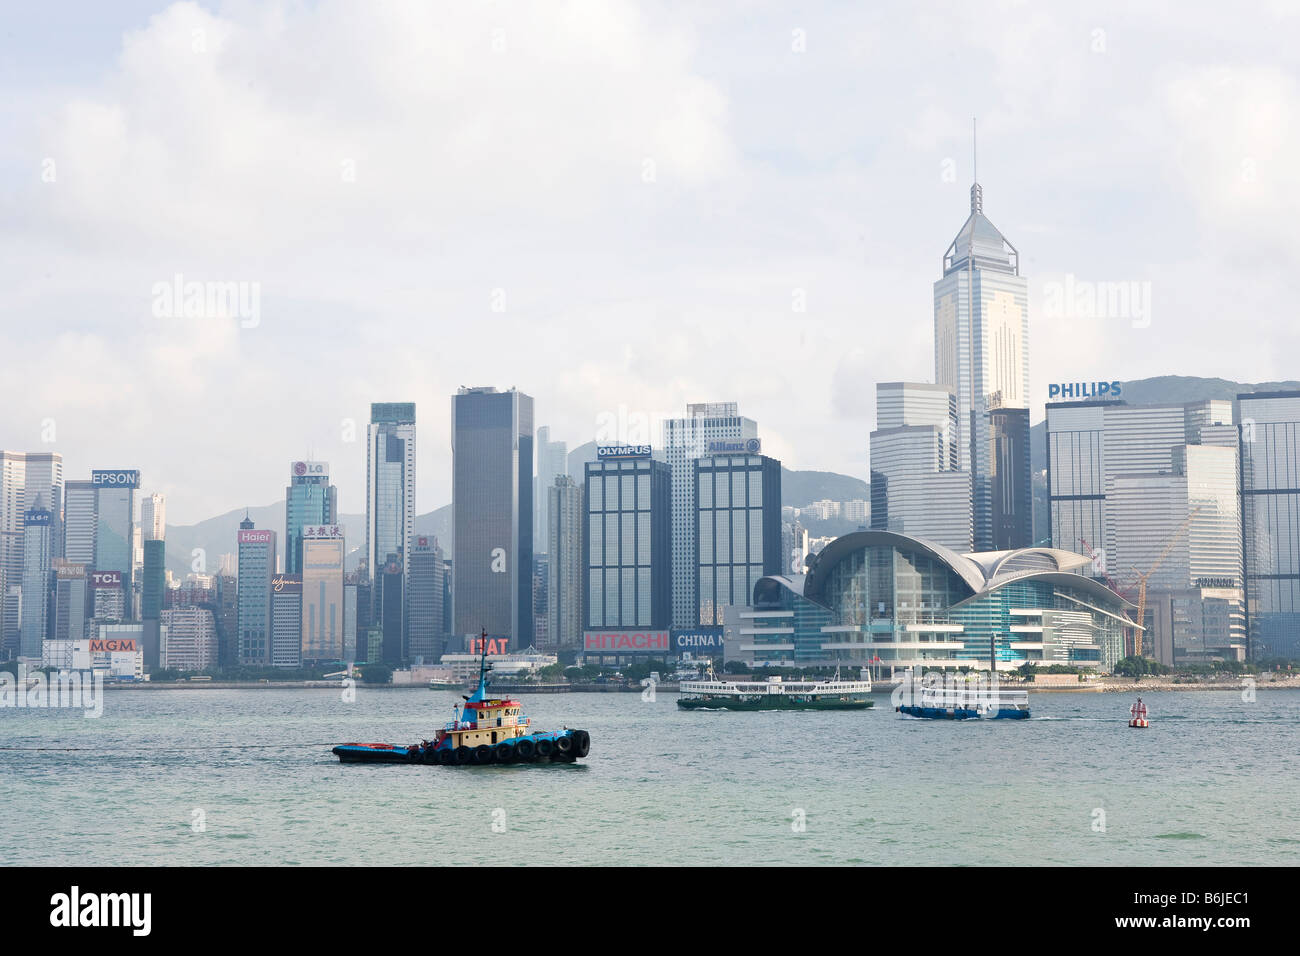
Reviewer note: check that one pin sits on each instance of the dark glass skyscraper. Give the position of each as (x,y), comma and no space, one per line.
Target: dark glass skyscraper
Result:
(390,492)
(738,529)
(1012,491)
(492,513)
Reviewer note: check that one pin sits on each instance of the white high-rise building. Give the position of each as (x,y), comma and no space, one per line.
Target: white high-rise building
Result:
(153,517)
(24,476)
(917,487)
(390,492)
(981,347)
(685,440)
(552,461)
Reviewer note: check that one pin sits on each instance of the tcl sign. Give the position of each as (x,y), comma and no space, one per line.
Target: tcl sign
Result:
(626,642)
(106,579)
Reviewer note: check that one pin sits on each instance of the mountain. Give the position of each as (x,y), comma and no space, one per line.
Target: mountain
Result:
(216,536)
(802,488)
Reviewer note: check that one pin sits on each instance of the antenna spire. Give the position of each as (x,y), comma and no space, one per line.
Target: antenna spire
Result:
(976,192)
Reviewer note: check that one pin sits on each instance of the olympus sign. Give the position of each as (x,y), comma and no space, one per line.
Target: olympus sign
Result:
(622,451)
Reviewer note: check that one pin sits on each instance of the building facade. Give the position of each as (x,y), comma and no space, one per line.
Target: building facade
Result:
(390,488)
(878,598)
(323,549)
(38,578)
(492,513)
(428,569)
(981,347)
(566,575)
(627,557)
(256,568)
(737,504)
(685,440)
(309,501)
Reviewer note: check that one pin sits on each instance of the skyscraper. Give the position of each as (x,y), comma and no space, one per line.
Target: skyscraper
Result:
(1151,490)
(686,439)
(115,527)
(80,519)
(552,461)
(917,487)
(70,601)
(38,556)
(628,558)
(154,583)
(565,577)
(322,592)
(256,567)
(24,476)
(492,513)
(428,569)
(310,500)
(1270,496)
(286,620)
(390,490)
(153,517)
(738,505)
(981,347)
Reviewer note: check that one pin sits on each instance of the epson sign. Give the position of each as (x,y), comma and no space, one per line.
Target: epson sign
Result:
(1083,390)
(116,478)
(622,451)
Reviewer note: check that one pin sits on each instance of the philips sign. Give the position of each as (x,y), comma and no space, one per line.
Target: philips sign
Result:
(1084,390)
(622,451)
(750,446)
(116,478)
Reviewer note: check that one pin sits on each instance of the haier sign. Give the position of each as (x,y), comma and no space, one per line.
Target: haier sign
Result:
(1077,390)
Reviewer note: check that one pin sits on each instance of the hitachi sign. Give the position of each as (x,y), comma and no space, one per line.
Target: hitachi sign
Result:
(1079,390)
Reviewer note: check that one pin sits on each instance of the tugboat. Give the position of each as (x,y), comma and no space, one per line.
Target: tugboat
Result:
(487,730)
(1138,715)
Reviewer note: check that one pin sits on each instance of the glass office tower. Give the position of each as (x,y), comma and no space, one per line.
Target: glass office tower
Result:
(310,500)
(492,514)
(390,493)
(981,347)
(738,529)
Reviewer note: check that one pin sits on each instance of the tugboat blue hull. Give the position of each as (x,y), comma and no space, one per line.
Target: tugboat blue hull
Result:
(564,746)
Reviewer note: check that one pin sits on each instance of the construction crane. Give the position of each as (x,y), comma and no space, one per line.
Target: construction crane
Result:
(1143,578)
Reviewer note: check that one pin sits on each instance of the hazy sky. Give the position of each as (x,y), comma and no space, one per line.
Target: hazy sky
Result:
(617,207)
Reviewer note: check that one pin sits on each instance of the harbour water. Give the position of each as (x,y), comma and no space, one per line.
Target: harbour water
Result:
(207,776)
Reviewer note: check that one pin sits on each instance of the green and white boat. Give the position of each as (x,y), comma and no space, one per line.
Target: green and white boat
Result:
(776,694)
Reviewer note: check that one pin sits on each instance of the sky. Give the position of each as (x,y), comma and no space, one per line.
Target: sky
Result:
(617,207)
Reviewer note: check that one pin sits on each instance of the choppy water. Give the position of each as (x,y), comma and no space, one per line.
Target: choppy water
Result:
(1212,781)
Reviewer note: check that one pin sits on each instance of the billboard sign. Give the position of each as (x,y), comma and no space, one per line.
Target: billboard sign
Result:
(252,536)
(1080,390)
(626,642)
(739,446)
(37,517)
(495,645)
(124,645)
(322,531)
(106,579)
(310,469)
(622,451)
(115,478)
(69,571)
(286,583)
(696,639)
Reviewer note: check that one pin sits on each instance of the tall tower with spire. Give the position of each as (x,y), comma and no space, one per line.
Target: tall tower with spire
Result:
(981,354)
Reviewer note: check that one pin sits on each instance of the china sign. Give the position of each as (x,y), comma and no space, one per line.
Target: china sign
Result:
(698,639)
(626,642)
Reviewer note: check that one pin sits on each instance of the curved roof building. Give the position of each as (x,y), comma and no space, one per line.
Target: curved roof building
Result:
(883,597)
